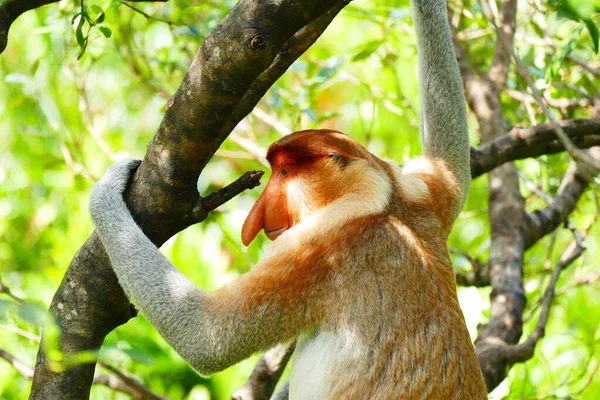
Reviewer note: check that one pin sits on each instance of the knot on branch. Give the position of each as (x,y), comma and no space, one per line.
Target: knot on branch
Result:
(256,41)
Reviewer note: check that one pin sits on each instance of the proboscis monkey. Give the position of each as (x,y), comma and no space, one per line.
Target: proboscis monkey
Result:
(358,271)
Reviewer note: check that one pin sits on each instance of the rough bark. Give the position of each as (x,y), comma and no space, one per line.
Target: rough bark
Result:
(261,383)
(541,139)
(237,63)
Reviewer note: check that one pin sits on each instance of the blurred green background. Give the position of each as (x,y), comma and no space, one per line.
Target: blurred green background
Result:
(64,120)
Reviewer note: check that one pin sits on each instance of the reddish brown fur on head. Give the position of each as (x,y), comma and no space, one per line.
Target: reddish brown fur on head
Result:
(314,157)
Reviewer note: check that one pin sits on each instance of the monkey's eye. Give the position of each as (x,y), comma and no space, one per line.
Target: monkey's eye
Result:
(339,159)
(283,171)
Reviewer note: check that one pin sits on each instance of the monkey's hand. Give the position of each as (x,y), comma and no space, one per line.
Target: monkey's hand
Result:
(108,192)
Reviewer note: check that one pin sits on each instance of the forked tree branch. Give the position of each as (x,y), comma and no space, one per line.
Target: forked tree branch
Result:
(545,220)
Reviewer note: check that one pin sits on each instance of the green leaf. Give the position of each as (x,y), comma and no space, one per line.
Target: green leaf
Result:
(194,30)
(105,31)
(97,9)
(81,53)
(100,13)
(368,49)
(329,115)
(326,73)
(79,33)
(593,30)
(32,313)
(562,53)
(75,17)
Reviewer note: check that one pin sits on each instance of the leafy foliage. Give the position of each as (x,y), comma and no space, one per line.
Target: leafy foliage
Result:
(83,85)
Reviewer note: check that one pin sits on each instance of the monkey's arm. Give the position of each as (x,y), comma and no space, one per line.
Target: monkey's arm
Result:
(283,393)
(443,112)
(211,331)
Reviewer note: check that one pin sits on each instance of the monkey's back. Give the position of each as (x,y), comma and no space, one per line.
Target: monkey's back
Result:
(399,333)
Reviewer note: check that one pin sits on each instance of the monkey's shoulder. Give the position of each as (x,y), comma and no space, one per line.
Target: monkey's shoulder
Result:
(426,188)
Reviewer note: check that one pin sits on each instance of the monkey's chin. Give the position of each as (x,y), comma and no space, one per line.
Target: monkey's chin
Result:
(273,234)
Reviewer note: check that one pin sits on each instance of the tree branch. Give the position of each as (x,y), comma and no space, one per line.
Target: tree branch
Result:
(247,181)
(538,224)
(508,17)
(532,142)
(6,290)
(542,222)
(266,374)
(525,350)
(20,367)
(478,276)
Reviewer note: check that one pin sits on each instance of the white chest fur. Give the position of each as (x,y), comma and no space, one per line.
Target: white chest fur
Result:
(318,359)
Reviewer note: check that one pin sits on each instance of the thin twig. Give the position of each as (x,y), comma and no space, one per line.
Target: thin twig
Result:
(534,188)
(271,120)
(148,16)
(6,290)
(136,387)
(75,166)
(584,65)
(562,103)
(23,333)
(21,368)
(251,147)
(548,41)
(478,276)
(234,154)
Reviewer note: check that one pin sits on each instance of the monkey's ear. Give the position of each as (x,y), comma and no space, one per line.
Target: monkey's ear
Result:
(255,221)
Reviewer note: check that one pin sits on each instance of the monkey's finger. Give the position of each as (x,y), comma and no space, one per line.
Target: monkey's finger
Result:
(118,175)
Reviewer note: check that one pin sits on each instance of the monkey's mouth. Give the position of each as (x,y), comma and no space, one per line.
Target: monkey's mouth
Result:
(272,234)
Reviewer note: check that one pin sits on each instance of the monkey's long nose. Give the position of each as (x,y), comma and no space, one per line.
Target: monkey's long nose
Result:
(255,221)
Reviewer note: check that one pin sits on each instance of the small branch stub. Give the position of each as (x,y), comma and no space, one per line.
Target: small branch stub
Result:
(249,180)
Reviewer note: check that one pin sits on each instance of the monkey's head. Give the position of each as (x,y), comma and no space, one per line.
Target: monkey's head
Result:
(310,169)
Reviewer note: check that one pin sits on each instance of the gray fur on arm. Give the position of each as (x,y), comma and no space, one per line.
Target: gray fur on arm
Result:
(283,393)
(174,305)
(443,111)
